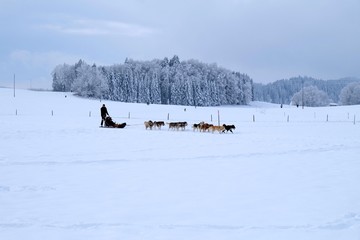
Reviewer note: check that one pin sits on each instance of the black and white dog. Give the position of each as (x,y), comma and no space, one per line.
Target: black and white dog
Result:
(228,128)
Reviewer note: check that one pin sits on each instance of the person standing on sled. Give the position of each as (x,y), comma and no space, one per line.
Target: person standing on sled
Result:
(104,113)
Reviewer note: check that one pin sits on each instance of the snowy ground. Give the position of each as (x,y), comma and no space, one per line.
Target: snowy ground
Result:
(292,173)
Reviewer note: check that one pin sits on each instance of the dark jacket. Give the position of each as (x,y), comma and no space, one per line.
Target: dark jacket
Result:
(104,112)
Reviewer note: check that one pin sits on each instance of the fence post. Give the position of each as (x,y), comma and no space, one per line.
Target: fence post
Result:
(218,118)
(52,112)
(129,115)
(327,117)
(16,112)
(288,118)
(354,119)
(89,113)
(253,118)
(211,117)
(168,116)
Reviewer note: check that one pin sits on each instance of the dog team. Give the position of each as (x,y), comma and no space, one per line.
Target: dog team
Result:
(201,127)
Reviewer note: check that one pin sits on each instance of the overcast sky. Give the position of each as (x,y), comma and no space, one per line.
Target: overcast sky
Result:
(266,39)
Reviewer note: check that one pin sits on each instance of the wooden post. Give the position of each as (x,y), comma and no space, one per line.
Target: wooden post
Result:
(327,117)
(129,115)
(89,113)
(354,119)
(168,116)
(288,118)
(211,117)
(253,118)
(218,118)
(16,112)
(52,112)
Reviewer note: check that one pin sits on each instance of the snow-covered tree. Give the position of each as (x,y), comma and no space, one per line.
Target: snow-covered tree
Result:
(89,82)
(310,96)
(350,95)
(63,77)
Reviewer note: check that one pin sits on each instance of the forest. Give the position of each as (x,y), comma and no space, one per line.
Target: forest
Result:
(315,92)
(167,81)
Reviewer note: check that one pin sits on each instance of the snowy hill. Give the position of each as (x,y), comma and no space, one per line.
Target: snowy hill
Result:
(285,173)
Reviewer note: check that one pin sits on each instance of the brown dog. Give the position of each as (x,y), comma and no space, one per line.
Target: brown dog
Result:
(205,127)
(220,129)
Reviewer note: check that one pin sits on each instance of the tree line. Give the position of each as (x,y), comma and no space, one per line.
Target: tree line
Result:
(167,81)
(309,91)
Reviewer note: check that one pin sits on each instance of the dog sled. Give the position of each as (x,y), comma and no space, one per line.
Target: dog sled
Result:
(109,123)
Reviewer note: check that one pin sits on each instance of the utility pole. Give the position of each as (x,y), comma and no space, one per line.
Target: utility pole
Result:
(14,84)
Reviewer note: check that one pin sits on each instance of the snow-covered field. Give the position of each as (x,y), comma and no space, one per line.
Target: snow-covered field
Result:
(292,173)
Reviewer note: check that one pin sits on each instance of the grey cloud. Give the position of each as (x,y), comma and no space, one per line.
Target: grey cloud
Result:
(99,27)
